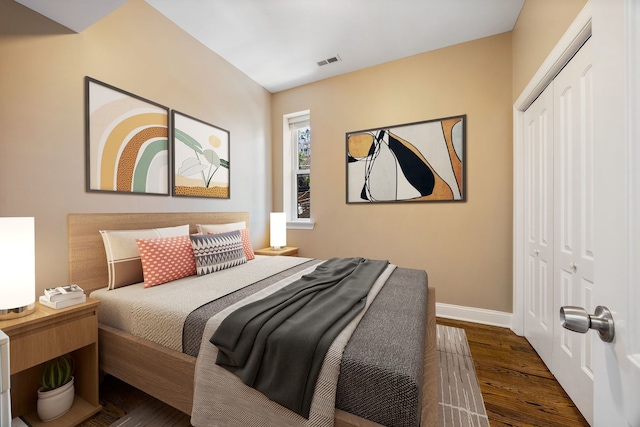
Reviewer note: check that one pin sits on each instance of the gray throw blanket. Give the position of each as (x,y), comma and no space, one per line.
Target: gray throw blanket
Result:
(277,345)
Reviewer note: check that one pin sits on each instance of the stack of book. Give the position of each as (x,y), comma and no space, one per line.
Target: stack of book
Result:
(63,296)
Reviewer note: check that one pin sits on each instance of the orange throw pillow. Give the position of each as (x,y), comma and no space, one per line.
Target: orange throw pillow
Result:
(165,259)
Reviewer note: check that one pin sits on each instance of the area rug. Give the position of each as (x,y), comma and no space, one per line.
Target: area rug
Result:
(154,413)
(459,397)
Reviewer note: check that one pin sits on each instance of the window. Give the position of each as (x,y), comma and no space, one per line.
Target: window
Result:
(296,176)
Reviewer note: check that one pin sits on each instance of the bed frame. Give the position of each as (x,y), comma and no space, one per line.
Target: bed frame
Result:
(167,374)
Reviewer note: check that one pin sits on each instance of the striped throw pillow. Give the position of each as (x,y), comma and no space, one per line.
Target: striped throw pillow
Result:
(215,252)
(246,243)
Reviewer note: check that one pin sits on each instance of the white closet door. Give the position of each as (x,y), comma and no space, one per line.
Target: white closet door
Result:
(573,235)
(538,295)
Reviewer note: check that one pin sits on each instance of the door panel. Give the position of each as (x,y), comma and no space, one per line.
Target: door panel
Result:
(616,53)
(573,205)
(539,312)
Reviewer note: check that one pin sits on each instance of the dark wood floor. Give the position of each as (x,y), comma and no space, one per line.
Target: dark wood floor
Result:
(517,387)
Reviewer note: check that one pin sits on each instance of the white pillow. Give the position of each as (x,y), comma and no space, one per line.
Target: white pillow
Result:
(123,256)
(220,228)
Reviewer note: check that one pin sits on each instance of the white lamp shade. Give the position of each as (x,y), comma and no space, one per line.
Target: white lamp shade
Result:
(17,263)
(278,230)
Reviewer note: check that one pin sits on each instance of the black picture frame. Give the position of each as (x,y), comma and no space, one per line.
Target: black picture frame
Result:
(408,163)
(200,158)
(127,142)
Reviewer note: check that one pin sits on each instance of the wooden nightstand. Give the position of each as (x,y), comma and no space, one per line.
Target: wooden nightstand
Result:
(43,335)
(286,251)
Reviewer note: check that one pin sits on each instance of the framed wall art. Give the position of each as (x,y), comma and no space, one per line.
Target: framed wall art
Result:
(414,162)
(127,142)
(200,158)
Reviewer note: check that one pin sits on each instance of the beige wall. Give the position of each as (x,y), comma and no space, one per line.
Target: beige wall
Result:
(464,247)
(540,25)
(42,70)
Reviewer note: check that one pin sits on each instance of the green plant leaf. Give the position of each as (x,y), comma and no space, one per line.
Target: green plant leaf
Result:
(188,141)
(44,376)
(52,375)
(66,366)
(212,157)
(191,166)
(224,163)
(61,372)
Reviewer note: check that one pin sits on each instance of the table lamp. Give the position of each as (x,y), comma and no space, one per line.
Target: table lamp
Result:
(278,230)
(17,267)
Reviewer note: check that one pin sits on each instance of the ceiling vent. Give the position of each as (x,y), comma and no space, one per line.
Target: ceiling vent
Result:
(329,61)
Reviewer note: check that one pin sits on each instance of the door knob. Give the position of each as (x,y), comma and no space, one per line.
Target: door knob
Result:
(578,320)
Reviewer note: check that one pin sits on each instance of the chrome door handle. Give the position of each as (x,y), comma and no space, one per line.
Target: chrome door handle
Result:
(578,320)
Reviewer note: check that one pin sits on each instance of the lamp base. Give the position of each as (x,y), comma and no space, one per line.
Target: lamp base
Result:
(12,313)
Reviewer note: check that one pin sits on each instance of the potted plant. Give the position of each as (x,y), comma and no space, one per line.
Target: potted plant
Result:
(55,396)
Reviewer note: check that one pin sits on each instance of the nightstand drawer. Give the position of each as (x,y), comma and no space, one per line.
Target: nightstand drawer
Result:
(286,251)
(63,335)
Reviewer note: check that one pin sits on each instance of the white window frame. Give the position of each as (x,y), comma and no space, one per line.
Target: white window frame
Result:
(289,172)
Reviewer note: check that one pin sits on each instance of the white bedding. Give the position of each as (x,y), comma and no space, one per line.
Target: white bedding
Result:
(158,313)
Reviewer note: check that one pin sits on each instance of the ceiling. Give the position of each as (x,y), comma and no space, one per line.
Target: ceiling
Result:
(278,43)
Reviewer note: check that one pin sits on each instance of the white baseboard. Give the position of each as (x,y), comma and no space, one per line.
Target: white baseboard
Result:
(475,315)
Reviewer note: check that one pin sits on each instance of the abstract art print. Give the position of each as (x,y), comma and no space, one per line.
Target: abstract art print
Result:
(127,142)
(415,162)
(200,158)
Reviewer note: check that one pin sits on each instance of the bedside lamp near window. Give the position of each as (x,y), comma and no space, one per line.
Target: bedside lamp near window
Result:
(278,230)
(17,267)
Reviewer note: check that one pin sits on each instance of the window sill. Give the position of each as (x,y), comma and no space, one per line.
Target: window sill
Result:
(300,225)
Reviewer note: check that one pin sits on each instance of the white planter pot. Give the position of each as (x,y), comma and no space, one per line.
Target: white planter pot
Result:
(55,403)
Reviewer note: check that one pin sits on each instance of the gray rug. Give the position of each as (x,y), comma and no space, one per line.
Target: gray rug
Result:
(459,397)
(154,413)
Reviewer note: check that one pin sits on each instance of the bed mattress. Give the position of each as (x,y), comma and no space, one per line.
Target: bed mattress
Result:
(381,368)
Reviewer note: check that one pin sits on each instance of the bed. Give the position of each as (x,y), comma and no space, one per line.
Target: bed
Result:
(168,374)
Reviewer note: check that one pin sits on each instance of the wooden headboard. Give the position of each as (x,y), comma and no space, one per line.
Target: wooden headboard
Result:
(87,257)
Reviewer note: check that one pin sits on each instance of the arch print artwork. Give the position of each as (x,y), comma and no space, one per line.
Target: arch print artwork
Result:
(127,142)
(414,162)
